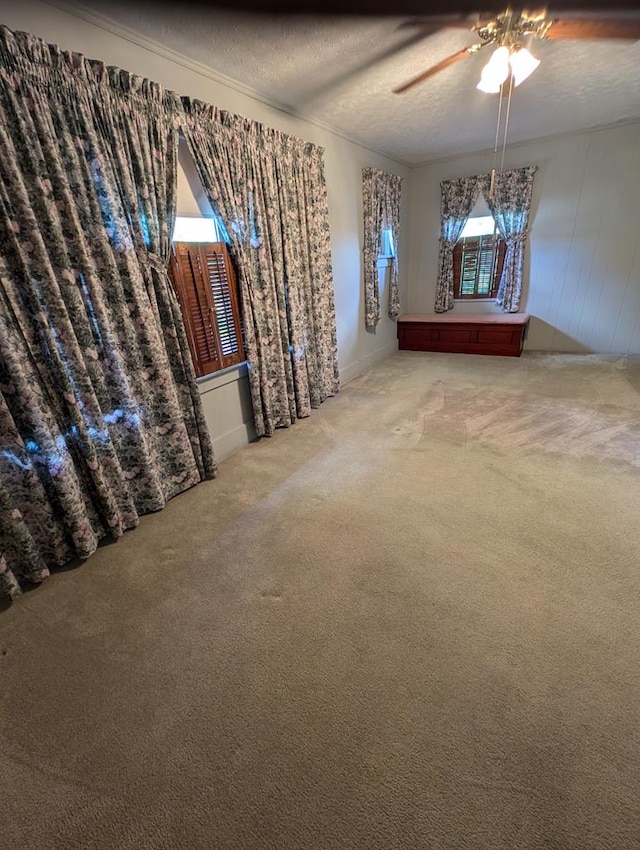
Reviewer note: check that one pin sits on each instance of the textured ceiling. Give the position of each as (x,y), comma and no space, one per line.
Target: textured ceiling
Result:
(301,63)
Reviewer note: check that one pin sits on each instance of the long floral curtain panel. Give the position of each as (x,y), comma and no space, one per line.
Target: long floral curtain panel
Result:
(510,205)
(381,195)
(457,198)
(100,417)
(270,191)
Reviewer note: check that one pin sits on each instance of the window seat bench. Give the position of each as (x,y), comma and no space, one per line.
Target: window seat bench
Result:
(480,333)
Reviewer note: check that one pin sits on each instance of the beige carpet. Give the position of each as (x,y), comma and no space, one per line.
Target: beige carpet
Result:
(410,621)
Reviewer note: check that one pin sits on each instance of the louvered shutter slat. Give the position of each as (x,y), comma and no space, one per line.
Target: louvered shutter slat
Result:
(201,320)
(486,266)
(206,287)
(469,266)
(230,344)
(223,290)
(195,304)
(477,266)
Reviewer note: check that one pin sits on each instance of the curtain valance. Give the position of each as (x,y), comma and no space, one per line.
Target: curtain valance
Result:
(26,59)
(201,114)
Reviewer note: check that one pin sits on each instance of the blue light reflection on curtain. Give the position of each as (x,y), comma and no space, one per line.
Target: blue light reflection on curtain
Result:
(100,415)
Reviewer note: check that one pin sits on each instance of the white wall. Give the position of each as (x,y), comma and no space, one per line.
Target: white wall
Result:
(583,280)
(225,404)
(190,201)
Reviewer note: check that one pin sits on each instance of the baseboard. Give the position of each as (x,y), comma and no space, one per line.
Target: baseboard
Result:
(237,438)
(363,363)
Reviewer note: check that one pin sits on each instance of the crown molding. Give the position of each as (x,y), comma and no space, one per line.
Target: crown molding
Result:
(103,22)
(623,122)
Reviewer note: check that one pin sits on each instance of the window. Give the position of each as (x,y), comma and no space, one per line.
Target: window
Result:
(387,249)
(478,259)
(205,283)
(198,229)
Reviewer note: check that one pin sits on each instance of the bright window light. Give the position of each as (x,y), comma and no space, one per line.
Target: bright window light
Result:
(194,229)
(480,225)
(386,243)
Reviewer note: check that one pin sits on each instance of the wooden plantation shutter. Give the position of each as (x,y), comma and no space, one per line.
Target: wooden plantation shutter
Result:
(219,272)
(205,284)
(477,266)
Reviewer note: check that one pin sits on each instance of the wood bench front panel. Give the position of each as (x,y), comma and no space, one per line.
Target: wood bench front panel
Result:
(462,337)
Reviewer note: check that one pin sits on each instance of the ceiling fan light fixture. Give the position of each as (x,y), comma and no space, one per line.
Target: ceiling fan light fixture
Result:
(498,65)
(495,72)
(488,86)
(523,64)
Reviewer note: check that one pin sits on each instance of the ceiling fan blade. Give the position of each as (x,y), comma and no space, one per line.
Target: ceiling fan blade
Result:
(408,42)
(450,60)
(310,94)
(439,22)
(569,28)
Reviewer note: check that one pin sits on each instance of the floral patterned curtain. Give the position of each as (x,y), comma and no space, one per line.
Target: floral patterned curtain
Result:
(381,208)
(270,192)
(457,198)
(510,207)
(100,418)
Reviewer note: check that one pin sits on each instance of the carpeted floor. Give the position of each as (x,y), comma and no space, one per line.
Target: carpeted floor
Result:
(410,621)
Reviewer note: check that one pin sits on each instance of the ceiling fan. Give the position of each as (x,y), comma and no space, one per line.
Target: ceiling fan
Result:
(508,32)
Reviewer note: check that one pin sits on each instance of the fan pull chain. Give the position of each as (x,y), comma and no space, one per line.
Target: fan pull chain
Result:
(506,122)
(492,184)
(495,145)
